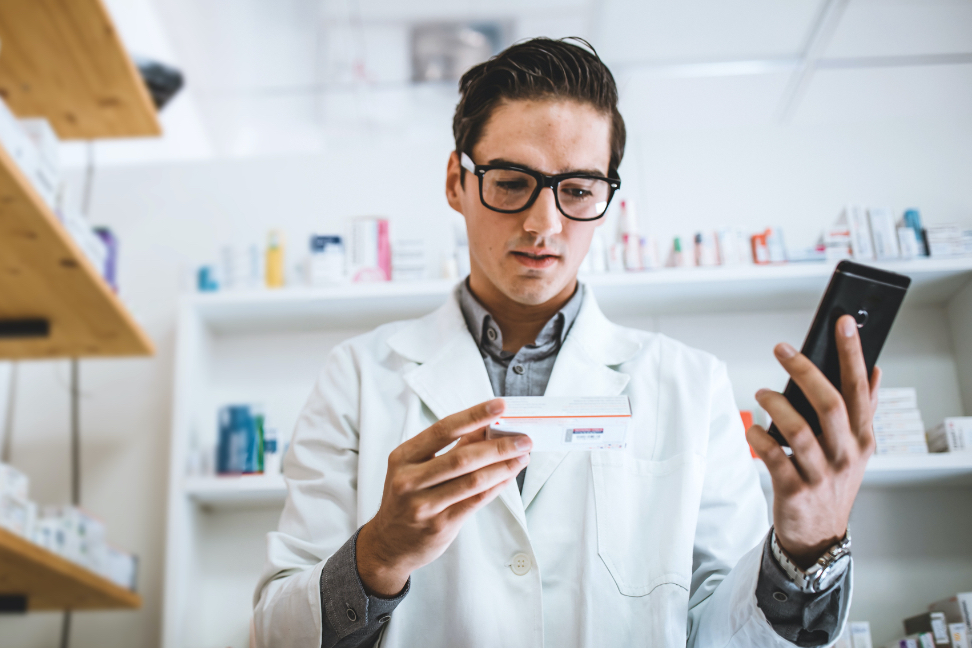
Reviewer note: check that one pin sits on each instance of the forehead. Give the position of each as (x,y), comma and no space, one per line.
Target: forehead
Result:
(552,136)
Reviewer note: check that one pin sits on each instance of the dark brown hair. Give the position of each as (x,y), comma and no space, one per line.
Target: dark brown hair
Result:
(537,69)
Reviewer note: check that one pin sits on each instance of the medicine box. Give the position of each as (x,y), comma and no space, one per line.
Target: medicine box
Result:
(120,567)
(15,140)
(92,245)
(48,169)
(897,398)
(952,435)
(13,482)
(76,535)
(17,515)
(557,424)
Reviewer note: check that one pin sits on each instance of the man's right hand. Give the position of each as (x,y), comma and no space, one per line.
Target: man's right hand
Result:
(427,497)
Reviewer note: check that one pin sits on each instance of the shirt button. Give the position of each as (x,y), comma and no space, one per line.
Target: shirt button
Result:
(352,615)
(383,618)
(521,564)
(491,334)
(518,370)
(780,596)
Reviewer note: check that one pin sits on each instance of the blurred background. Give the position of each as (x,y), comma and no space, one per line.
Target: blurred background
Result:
(299,120)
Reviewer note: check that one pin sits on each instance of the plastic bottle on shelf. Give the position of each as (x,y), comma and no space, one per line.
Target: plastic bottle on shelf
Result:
(676,258)
(630,237)
(275,270)
(271,452)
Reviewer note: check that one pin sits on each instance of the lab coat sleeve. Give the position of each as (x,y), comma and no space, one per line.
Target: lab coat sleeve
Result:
(730,534)
(319,516)
(803,618)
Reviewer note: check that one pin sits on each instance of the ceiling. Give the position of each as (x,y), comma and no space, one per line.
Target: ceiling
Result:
(284,75)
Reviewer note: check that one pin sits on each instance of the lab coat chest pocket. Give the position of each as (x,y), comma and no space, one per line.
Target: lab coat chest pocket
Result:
(646,517)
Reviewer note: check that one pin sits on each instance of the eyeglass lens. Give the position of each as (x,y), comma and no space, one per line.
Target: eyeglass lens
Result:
(581,198)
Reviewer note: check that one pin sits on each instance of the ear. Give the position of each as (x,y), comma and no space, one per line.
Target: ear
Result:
(454,188)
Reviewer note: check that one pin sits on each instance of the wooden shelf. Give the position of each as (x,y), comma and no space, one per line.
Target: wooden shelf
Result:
(63,60)
(52,582)
(659,292)
(43,274)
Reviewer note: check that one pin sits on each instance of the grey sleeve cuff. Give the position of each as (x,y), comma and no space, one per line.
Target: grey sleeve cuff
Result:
(351,618)
(800,618)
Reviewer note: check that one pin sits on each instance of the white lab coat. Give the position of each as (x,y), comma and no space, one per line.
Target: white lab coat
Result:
(656,545)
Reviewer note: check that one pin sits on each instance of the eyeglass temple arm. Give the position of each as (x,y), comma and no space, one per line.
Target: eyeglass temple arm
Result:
(467,163)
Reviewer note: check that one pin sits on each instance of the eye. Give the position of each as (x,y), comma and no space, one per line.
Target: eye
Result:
(576,192)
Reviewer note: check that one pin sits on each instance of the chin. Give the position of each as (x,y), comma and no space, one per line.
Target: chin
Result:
(534,290)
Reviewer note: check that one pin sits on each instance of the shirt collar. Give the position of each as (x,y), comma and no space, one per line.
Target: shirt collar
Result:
(480,322)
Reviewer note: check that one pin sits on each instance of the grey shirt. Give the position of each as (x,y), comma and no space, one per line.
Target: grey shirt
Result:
(353,619)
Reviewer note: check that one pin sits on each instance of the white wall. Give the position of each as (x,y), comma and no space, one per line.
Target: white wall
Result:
(173,216)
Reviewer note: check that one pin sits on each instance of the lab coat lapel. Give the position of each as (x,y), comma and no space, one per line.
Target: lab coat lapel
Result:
(453,380)
(454,377)
(582,369)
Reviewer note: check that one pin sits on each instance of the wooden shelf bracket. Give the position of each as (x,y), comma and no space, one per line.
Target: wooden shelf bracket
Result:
(25,328)
(13,603)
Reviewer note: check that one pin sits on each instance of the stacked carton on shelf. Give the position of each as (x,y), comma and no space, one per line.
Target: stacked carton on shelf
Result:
(946,624)
(33,148)
(74,534)
(84,235)
(948,241)
(65,530)
(929,628)
(958,614)
(898,428)
(80,537)
(952,435)
(17,512)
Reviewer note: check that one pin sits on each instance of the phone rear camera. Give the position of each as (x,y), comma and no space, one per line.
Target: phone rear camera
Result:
(861,318)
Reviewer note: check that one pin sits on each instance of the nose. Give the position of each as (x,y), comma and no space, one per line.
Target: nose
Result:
(543,218)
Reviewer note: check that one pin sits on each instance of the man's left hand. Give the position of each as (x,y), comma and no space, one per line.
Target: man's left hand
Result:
(814,490)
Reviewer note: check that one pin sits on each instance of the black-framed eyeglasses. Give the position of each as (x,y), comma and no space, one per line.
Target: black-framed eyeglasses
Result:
(509,189)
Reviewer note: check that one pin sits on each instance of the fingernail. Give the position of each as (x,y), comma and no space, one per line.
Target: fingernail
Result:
(523,442)
(523,459)
(847,326)
(785,351)
(761,391)
(494,406)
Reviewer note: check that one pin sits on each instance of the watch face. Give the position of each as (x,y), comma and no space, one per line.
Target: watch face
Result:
(831,573)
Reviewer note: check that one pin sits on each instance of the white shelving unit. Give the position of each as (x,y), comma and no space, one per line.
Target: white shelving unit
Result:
(267,347)
(243,491)
(662,292)
(882,471)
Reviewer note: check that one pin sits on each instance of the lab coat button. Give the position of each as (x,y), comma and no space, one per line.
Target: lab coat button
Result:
(352,615)
(521,564)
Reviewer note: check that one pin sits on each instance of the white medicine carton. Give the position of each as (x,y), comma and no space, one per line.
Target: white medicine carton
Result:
(13,482)
(556,424)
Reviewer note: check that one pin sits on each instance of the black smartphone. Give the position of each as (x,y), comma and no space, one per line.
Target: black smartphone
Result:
(873,297)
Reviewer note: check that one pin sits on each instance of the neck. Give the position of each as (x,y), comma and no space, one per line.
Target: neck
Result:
(519,323)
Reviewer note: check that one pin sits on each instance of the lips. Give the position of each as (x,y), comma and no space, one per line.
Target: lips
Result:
(536,258)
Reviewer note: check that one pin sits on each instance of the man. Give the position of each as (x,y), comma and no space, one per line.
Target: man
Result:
(389,533)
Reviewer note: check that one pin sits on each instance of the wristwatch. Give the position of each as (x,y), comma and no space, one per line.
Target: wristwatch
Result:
(823,573)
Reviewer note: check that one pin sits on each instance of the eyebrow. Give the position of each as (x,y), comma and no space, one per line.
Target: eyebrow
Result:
(504,162)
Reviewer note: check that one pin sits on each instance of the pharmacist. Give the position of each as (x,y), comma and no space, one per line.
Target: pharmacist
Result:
(386,538)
